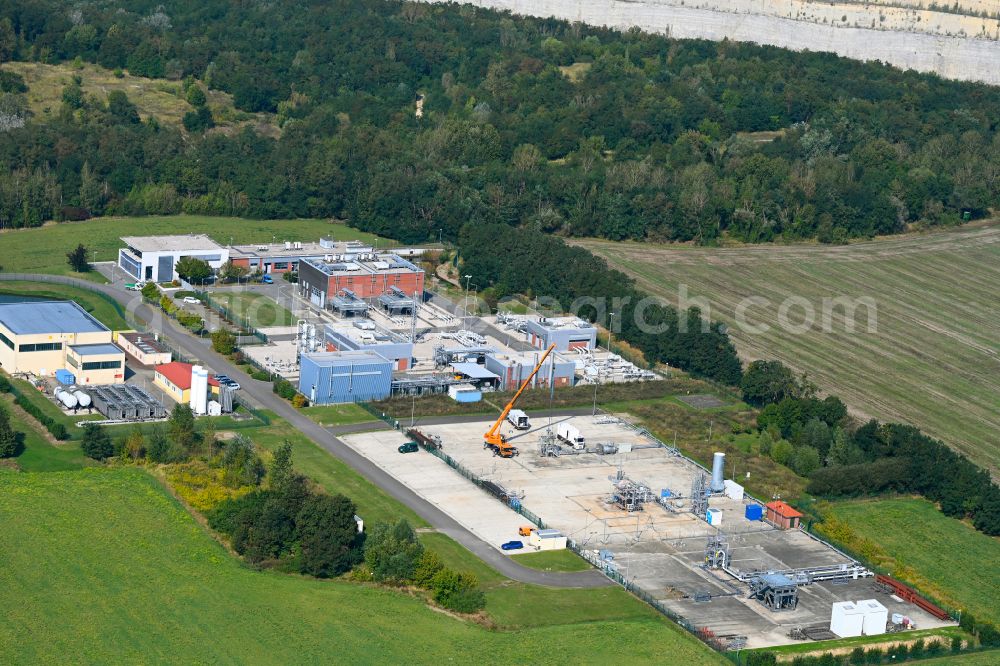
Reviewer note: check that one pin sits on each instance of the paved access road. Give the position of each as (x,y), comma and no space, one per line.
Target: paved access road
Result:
(263,396)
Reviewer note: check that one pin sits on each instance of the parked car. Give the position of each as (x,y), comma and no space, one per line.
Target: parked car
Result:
(267,280)
(409,447)
(224,380)
(512,545)
(191,299)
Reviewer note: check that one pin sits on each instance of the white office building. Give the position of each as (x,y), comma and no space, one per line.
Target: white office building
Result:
(153,258)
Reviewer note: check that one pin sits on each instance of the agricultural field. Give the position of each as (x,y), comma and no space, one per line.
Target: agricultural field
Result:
(933,356)
(948,558)
(177,595)
(43,249)
(160,98)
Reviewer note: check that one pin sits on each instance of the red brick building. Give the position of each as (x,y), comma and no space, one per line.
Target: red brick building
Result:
(366,276)
(782,515)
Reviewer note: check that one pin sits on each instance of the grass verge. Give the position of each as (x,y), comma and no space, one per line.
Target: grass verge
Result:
(553,560)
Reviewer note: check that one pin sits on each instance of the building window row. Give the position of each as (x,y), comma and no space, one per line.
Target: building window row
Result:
(102,365)
(40,346)
(7,341)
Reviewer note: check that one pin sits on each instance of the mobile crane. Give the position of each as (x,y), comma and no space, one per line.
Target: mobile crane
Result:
(494,439)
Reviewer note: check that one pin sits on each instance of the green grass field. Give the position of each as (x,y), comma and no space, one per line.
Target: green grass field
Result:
(553,560)
(90,301)
(39,454)
(255,309)
(43,249)
(961,566)
(933,359)
(103,566)
(334,415)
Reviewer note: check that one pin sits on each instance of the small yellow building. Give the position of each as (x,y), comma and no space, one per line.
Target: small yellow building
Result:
(37,336)
(143,347)
(175,380)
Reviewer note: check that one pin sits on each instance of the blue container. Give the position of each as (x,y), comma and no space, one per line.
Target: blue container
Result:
(754,512)
(65,377)
(468,396)
(666,493)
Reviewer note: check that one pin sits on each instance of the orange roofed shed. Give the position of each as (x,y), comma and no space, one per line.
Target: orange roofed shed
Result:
(782,515)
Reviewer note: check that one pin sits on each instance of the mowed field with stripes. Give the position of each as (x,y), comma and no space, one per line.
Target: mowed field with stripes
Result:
(933,359)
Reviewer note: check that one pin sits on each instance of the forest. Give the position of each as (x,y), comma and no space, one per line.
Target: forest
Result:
(556,127)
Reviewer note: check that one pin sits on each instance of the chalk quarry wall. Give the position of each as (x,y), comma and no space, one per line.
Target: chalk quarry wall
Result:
(927,50)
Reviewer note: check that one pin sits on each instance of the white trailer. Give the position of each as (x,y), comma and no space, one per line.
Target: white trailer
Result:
(571,435)
(518,419)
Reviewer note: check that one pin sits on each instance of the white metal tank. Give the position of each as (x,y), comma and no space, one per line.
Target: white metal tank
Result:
(82,398)
(718,472)
(65,397)
(199,389)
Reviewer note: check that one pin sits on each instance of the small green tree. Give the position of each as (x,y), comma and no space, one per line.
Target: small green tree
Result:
(96,443)
(230,272)
(428,565)
(281,470)
(457,591)
(150,291)
(392,552)
(243,467)
(195,95)
(9,440)
(180,426)
(77,259)
(805,460)
(193,270)
(223,341)
(782,451)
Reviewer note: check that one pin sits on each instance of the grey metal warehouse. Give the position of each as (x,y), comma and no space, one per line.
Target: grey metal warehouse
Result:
(352,376)
(515,368)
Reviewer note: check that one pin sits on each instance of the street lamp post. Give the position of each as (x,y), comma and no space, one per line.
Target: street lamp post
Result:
(465,302)
(611,329)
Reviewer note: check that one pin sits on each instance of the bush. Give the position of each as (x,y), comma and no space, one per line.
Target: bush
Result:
(457,591)
(96,442)
(284,388)
(57,430)
(392,552)
(223,341)
(300,401)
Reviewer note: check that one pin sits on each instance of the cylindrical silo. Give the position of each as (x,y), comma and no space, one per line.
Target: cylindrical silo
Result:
(199,389)
(718,472)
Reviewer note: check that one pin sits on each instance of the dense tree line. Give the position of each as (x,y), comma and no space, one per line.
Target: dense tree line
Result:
(646,137)
(870,459)
(566,278)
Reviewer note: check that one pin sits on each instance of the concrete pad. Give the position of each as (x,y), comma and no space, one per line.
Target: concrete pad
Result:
(435,481)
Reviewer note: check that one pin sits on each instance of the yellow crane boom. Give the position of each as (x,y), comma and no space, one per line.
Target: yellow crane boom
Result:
(493,438)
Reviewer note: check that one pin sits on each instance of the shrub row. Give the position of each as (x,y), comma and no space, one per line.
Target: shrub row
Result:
(58,430)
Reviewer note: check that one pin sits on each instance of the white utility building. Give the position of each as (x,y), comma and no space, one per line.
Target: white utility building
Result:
(876,617)
(847,619)
(153,258)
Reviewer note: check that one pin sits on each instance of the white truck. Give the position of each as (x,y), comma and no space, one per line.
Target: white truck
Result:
(518,419)
(571,435)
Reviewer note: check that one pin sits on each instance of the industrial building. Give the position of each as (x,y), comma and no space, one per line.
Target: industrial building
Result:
(176,378)
(285,256)
(782,515)
(365,335)
(365,276)
(143,347)
(100,363)
(512,369)
(153,258)
(40,337)
(344,376)
(566,333)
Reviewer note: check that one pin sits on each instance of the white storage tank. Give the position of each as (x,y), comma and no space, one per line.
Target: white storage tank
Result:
(65,397)
(82,398)
(199,389)
(847,619)
(876,617)
(718,472)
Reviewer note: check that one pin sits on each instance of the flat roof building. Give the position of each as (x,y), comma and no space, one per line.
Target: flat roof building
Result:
(285,256)
(365,335)
(566,333)
(344,376)
(367,276)
(143,347)
(512,369)
(40,337)
(153,258)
